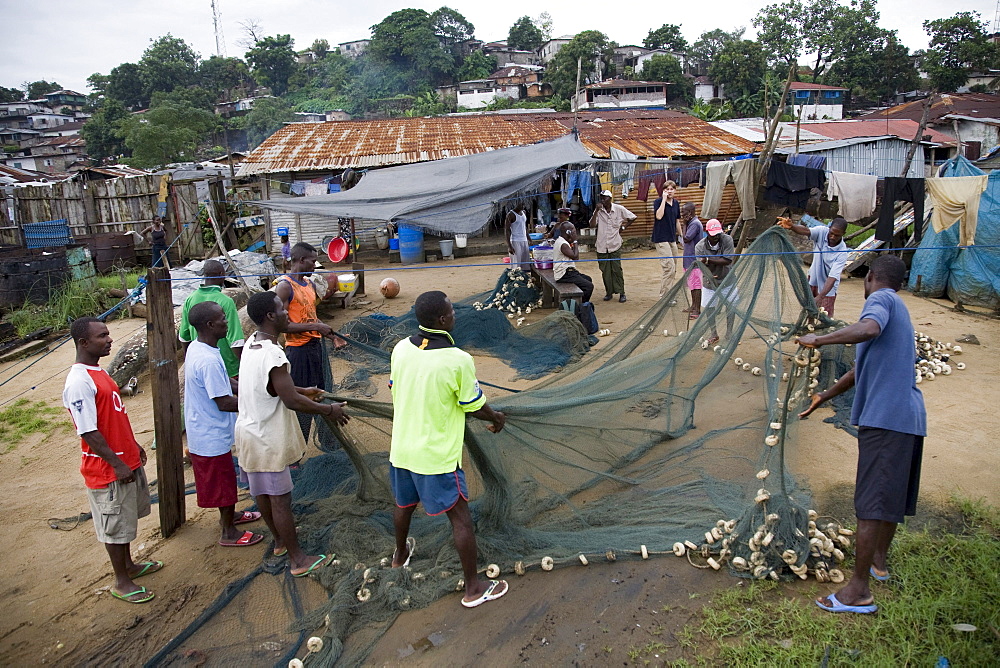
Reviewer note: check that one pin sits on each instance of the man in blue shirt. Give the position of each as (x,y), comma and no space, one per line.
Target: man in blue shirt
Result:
(210,417)
(889,412)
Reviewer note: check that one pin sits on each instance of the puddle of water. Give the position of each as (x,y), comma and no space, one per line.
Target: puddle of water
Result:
(433,640)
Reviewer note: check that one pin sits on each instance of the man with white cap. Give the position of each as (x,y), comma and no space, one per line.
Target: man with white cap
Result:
(610,219)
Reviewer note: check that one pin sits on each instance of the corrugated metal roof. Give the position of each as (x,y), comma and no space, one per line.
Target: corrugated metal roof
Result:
(903,128)
(302,147)
(754,129)
(830,145)
(975,105)
(803,85)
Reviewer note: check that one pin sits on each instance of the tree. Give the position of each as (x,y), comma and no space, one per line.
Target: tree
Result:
(710,43)
(39,89)
(272,61)
(320,47)
(597,54)
(125,85)
(268,114)
(427,104)
(101,131)
(168,132)
(451,27)
(958,45)
(779,31)
(11,94)
(668,37)
(664,67)
(477,66)
(406,43)
(708,111)
(740,67)
(166,64)
(98,83)
(222,76)
(875,68)
(544,23)
(525,35)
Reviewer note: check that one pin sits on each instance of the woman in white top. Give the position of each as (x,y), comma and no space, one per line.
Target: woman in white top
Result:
(515,227)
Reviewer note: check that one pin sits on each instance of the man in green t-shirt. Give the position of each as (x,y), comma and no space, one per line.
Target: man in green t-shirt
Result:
(434,386)
(211,291)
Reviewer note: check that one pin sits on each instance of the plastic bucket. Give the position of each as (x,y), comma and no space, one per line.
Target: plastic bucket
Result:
(394,244)
(447,247)
(347,282)
(411,245)
(461,240)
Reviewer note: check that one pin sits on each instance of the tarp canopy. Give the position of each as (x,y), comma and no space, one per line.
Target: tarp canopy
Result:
(449,195)
(967,275)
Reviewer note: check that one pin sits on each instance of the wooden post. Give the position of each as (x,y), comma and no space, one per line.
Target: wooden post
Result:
(162,340)
(928,101)
(358,268)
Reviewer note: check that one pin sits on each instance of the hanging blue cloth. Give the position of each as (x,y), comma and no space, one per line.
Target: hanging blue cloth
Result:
(580,179)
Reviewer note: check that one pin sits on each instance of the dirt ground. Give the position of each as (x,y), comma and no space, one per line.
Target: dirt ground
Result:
(55,582)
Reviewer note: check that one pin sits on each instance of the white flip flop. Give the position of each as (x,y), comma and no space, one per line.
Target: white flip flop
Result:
(488,595)
(411,544)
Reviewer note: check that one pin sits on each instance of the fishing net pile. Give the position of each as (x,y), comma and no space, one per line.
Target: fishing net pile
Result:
(650,439)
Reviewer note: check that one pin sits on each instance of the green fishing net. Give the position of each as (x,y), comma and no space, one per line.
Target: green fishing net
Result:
(650,439)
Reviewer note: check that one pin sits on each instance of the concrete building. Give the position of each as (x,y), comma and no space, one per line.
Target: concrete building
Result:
(705,89)
(622,94)
(816,100)
(507,55)
(355,48)
(548,51)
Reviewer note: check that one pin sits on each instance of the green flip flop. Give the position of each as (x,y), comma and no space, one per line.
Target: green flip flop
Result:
(148,567)
(140,595)
(317,564)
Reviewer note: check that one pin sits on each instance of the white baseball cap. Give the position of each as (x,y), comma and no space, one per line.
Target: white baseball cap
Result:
(607,193)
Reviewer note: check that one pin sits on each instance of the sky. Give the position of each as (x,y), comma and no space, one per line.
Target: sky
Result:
(67,40)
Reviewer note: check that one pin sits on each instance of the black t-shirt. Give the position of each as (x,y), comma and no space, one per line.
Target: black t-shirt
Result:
(665,229)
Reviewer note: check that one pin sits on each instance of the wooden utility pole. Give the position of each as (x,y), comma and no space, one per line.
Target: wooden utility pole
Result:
(928,101)
(162,340)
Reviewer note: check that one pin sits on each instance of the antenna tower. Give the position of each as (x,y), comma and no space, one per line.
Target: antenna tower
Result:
(220,39)
(996,21)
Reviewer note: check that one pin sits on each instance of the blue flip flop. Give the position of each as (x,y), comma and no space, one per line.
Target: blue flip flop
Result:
(880,578)
(837,606)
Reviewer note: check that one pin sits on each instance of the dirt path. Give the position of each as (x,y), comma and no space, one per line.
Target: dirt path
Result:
(54,583)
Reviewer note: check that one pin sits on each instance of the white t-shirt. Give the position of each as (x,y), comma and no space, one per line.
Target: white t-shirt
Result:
(268,436)
(828,261)
(560,263)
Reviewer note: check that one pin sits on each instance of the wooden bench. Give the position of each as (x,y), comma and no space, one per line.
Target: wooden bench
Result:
(553,292)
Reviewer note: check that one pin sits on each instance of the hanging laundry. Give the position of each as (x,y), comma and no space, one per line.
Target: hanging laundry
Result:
(790,184)
(299,187)
(648,177)
(624,172)
(855,194)
(956,199)
(580,179)
(900,189)
(316,189)
(717,174)
(333,188)
(605,180)
(807,160)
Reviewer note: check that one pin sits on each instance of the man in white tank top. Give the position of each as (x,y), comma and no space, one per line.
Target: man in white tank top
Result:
(515,227)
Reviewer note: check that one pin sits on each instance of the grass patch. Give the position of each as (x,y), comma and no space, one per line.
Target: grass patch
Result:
(23,418)
(856,241)
(66,304)
(114,282)
(939,579)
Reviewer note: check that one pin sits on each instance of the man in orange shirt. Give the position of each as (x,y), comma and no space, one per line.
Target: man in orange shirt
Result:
(303,345)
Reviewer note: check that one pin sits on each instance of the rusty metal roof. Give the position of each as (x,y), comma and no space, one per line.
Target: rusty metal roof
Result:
(975,105)
(300,147)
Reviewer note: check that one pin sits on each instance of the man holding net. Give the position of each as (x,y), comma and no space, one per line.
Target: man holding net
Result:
(829,258)
(717,252)
(434,386)
(889,413)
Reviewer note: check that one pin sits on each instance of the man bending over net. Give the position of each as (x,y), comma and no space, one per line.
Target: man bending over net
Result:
(717,252)
(889,412)
(434,385)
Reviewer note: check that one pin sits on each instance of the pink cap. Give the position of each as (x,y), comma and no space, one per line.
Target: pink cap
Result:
(713,227)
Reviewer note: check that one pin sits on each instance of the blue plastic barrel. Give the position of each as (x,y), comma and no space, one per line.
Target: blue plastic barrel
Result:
(411,244)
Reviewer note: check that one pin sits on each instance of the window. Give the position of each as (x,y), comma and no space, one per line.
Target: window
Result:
(831,94)
(802,94)
(48,163)
(18,165)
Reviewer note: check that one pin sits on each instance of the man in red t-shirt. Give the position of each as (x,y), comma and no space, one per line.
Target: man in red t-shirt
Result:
(112,459)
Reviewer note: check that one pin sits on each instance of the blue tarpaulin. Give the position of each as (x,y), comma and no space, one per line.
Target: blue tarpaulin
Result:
(966,275)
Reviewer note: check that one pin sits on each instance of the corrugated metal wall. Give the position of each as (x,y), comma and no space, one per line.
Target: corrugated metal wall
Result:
(879,158)
(729,210)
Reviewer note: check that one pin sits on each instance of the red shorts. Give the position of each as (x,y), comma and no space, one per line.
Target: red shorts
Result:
(214,480)
(694,279)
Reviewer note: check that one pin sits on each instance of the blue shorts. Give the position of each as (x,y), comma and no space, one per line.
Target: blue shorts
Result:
(439,493)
